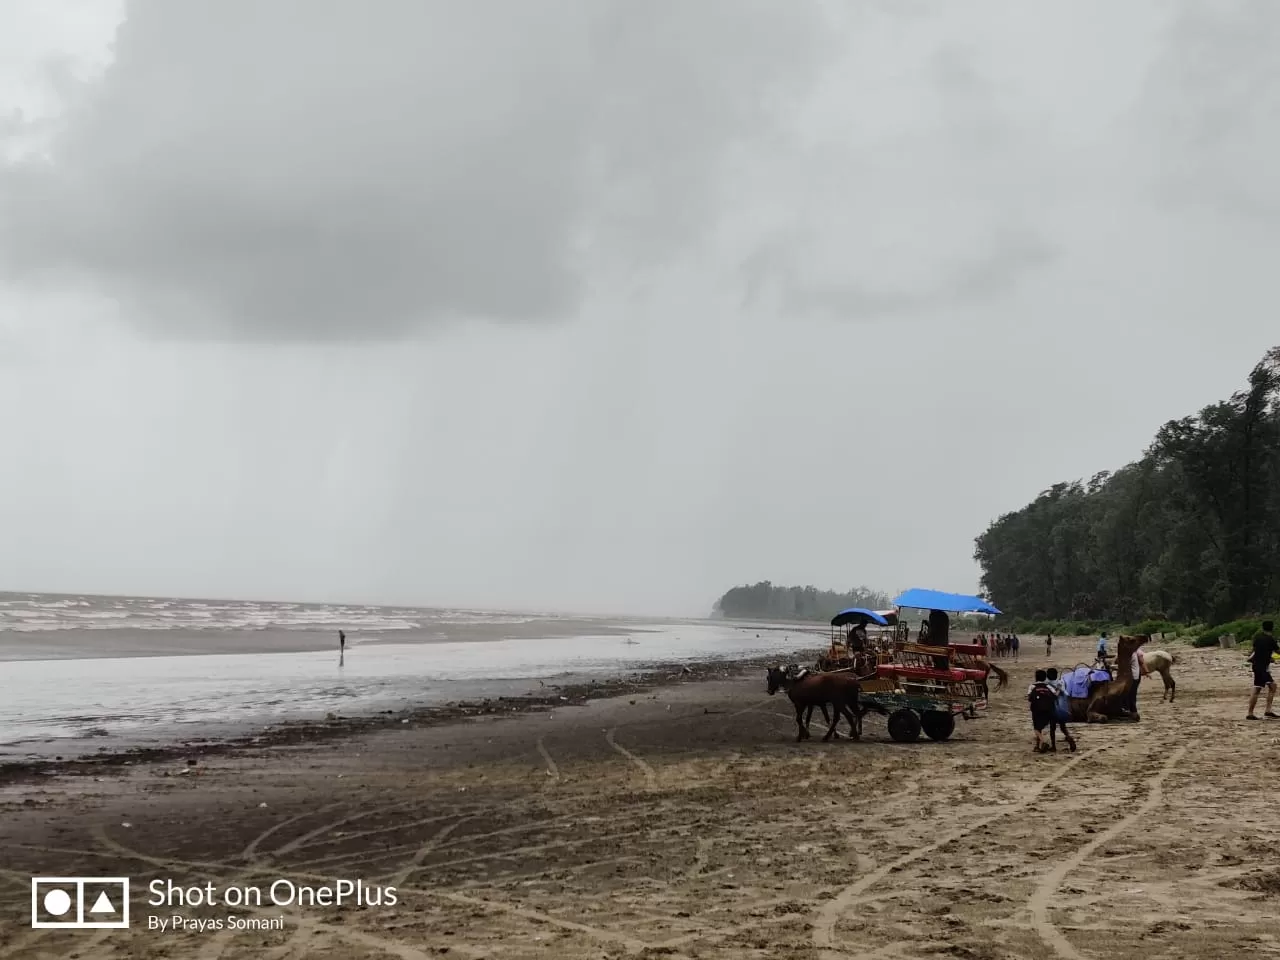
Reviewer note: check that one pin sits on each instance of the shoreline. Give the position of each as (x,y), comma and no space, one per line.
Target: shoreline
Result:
(577,692)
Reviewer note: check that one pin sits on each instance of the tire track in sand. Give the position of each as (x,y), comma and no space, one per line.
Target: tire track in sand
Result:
(402,875)
(699,859)
(829,915)
(297,843)
(250,852)
(553,771)
(650,779)
(537,916)
(1042,895)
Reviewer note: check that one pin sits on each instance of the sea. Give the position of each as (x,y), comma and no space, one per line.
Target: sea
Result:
(86,674)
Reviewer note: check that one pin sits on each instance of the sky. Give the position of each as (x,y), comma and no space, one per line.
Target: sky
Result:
(605,307)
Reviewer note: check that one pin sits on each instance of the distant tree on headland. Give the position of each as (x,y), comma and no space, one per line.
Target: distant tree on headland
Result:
(1190,532)
(764,601)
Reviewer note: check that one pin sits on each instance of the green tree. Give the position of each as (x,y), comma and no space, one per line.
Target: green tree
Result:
(1192,530)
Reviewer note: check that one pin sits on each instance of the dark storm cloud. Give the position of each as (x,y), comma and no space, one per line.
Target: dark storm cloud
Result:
(280,169)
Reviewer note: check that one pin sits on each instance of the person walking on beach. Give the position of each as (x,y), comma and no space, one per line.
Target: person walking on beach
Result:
(1060,690)
(1042,697)
(1264,648)
(342,647)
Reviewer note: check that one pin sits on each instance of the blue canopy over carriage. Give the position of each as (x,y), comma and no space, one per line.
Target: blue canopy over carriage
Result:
(939,604)
(848,650)
(863,616)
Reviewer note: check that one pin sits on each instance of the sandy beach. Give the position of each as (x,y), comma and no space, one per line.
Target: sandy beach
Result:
(684,821)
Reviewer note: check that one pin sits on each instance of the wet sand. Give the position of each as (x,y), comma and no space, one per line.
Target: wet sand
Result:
(684,821)
(572,691)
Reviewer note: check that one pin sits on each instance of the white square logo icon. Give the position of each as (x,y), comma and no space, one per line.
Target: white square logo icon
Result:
(79,903)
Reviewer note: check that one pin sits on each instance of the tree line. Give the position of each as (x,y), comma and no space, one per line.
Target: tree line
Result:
(765,601)
(1190,532)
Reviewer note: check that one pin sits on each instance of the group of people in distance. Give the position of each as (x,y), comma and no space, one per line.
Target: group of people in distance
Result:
(1000,644)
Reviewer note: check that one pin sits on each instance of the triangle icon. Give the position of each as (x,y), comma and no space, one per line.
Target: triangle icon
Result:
(102,904)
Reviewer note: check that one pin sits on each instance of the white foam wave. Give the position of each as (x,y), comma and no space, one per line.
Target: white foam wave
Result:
(36,612)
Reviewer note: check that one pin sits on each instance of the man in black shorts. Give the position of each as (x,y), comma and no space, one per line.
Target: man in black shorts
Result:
(1042,696)
(1264,646)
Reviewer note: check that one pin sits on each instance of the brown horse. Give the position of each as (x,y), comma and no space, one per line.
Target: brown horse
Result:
(811,690)
(793,672)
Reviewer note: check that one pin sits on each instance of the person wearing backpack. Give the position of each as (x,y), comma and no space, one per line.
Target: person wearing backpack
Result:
(1043,698)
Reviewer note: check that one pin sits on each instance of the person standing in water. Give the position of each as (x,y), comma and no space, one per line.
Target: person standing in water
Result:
(342,647)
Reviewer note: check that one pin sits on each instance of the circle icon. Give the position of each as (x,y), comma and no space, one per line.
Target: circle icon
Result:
(57,902)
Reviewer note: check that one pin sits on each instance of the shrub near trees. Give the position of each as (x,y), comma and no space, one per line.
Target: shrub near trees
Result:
(1191,532)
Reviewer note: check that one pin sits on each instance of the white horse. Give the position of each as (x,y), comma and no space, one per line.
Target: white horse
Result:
(1159,661)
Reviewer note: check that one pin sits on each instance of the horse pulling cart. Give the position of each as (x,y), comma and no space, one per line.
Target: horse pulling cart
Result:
(918,687)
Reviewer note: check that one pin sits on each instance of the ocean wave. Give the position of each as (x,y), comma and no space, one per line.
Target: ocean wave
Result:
(28,613)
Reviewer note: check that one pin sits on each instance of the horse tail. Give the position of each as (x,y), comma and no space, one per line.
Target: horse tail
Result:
(1001,677)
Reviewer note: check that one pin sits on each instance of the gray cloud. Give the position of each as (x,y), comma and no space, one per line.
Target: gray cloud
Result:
(323,169)
(986,187)
(1211,104)
(943,210)
(979,277)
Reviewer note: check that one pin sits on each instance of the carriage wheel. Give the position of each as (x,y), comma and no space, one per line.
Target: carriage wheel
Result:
(904,725)
(938,725)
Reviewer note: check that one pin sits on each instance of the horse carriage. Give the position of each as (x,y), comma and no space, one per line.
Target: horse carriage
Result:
(918,687)
(854,648)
